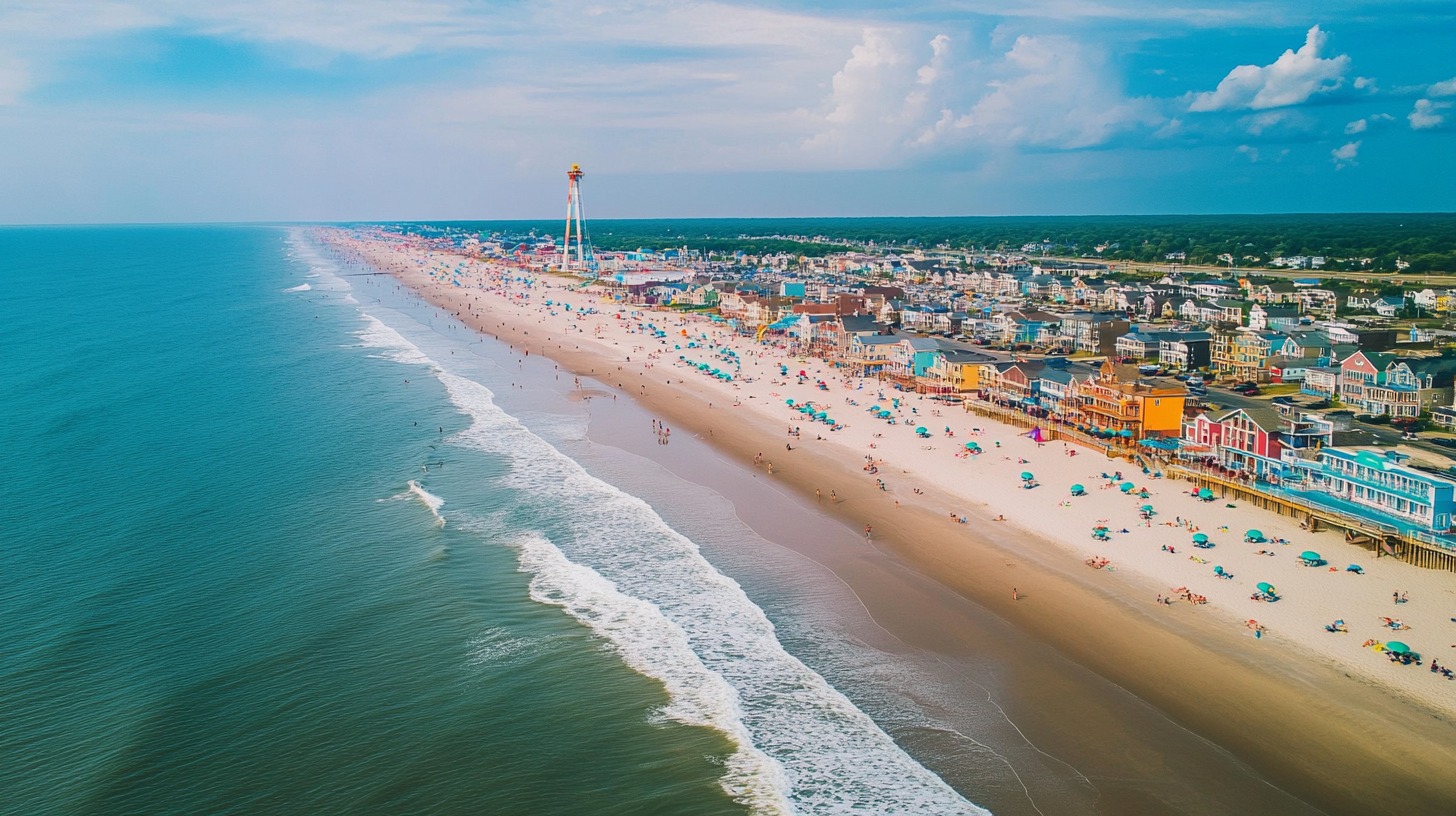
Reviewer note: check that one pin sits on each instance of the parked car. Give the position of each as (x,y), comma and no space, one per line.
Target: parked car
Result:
(1246,384)
(1319,406)
(1443,442)
(1251,392)
(1180,377)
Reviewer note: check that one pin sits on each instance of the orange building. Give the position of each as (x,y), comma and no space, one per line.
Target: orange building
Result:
(1144,411)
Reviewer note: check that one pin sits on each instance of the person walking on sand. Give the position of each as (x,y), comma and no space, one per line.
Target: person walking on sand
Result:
(1015,596)
(867,532)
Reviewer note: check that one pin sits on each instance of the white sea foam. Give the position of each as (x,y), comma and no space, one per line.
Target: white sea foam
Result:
(392,343)
(801,745)
(302,287)
(495,646)
(429,500)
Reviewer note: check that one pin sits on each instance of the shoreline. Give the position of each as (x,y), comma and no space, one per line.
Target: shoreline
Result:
(1326,736)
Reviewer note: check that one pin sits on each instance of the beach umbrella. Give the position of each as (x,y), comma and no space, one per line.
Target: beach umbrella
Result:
(1397,647)
(1254,535)
(1265,587)
(921,430)
(1200,538)
(1078,489)
(876,408)
(1218,570)
(1026,476)
(1124,433)
(1147,508)
(1310,555)
(1127,487)
(1205,493)
(822,414)
(884,415)
(788,402)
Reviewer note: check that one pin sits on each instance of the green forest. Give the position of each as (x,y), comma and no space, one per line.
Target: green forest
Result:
(1426,241)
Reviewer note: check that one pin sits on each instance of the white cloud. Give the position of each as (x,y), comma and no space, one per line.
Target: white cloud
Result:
(1357,126)
(1248,150)
(14,80)
(1424,115)
(1445,88)
(1345,154)
(1290,80)
(1048,92)
(1364,83)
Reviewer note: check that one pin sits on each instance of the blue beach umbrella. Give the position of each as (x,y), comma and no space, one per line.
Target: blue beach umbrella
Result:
(1026,476)
(1126,487)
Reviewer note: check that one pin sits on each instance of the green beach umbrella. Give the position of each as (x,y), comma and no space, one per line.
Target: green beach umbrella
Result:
(1310,555)
(1265,587)
(920,430)
(1026,476)
(1397,647)
(1200,538)
(1254,535)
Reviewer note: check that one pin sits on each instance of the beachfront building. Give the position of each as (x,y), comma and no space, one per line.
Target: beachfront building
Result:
(1144,411)
(870,355)
(957,371)
(1375,485)
(910,361)
(1247,442)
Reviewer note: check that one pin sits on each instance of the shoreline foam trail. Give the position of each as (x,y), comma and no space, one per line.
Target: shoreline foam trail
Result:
(1206,669)
(671,616)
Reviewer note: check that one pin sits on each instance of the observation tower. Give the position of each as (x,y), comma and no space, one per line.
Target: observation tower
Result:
(583,262)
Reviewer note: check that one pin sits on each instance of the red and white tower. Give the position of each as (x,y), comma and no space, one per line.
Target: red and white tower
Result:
(574,217)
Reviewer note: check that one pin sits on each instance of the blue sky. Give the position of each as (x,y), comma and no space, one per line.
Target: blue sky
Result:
(230,110)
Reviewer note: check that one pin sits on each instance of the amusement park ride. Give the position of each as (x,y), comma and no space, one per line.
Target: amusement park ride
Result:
(585,263)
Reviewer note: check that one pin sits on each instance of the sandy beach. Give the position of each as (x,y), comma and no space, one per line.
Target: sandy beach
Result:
(1324,713)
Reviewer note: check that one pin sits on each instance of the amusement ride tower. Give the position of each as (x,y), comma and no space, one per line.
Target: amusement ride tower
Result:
(584,262)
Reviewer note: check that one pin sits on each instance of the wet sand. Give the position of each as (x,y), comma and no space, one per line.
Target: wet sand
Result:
(1073,644)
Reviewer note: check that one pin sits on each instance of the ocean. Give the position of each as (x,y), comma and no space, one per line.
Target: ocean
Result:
(272,542)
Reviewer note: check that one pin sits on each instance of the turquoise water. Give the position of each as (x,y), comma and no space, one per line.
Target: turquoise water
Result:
(270,546)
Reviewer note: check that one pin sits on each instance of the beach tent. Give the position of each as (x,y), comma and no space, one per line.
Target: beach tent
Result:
(1034,434)
(1254,536)
(1397,647)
